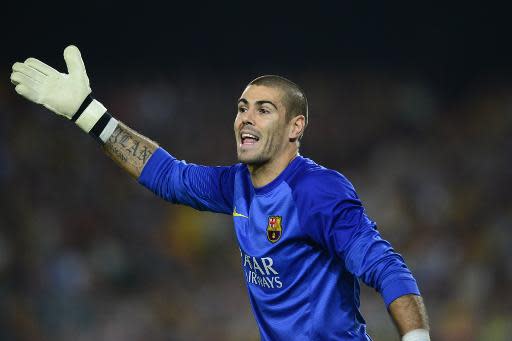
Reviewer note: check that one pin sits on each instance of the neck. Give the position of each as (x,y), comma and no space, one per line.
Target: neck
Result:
(265,173)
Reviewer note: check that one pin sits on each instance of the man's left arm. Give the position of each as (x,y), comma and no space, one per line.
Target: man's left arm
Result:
(349,234)
(376,263)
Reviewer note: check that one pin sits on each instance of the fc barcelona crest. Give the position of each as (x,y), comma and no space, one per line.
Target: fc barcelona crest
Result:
(274,229)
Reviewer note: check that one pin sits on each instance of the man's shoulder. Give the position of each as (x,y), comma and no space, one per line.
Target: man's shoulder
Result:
(315,179)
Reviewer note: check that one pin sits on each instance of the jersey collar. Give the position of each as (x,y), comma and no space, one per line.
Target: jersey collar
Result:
(280,178)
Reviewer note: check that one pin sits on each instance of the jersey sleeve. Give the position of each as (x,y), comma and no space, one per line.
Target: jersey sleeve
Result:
(332,215)
(200,187)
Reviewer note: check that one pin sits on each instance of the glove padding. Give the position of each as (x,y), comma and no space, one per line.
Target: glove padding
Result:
(62,93)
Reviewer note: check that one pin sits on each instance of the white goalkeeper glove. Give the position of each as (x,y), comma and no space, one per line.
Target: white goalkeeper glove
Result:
(66,94)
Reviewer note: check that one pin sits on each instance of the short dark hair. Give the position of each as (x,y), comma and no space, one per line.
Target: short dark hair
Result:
(295,100)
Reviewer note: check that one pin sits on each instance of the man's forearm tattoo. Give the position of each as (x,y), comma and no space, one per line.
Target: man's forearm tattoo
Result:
(145,154)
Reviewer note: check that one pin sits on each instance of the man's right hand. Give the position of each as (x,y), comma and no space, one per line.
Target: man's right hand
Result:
(62,93)
(68,95)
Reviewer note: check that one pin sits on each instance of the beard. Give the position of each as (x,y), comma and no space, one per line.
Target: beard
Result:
(252,160)
(261,155)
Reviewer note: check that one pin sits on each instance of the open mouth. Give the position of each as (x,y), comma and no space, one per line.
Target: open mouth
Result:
(248,139)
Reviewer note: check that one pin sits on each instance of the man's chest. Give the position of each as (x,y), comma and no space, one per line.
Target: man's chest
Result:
(273,248)
(266,223)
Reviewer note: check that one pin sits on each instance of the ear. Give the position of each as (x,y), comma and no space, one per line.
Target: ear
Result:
(297,125)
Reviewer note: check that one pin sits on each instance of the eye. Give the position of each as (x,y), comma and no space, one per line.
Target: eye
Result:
(242,109)
(264,110)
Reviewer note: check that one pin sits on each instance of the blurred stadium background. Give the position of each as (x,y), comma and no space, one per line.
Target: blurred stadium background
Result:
(412,103)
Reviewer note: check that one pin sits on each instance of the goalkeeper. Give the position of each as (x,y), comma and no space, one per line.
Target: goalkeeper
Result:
(305,240)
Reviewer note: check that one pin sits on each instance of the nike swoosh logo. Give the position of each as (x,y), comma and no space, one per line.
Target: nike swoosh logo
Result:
(236,214)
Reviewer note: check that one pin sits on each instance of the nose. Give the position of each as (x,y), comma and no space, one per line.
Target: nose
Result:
(248,117)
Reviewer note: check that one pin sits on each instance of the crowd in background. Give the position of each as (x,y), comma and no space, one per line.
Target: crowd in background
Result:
(88,254)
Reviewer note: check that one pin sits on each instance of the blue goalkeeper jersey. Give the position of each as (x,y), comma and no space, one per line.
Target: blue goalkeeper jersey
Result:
(304,239)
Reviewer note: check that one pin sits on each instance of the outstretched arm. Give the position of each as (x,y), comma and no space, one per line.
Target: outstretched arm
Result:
(410,317)
(69,95)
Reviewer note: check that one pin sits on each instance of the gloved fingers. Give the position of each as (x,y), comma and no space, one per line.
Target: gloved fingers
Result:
(29,71)
(74,61)
(40,66)
(27,92)
(21,78)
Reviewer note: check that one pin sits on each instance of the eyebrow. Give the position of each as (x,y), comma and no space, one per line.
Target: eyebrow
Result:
(244,101)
